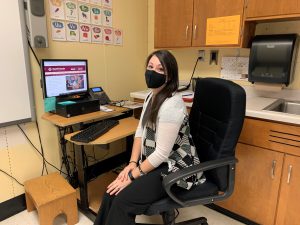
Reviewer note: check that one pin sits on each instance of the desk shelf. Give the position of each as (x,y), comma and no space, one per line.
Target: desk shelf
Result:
(125,128)
(97,188)
(64,122)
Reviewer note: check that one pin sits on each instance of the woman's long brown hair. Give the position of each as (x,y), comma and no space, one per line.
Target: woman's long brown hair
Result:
(170,67)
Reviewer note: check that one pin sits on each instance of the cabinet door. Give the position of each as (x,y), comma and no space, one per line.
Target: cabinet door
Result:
(173,23)
(271,8)
(258,173)
(204,9)
(289,198)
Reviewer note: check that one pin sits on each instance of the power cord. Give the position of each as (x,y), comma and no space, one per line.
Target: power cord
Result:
(189,84)
(39,151)
(11,177)
(42,149)
(35,56)
(193,71)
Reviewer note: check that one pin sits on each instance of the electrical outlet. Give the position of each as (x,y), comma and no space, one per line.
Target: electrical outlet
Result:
(201,55)
(213,57)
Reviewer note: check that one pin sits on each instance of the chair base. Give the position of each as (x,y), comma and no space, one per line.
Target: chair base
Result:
(196,221)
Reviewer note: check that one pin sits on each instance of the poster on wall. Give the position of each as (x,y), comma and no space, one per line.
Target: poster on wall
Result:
(107,17)
(58,30)
(84,13)
(85,33)
(107,35)
(97,36)
(57,9)
(118,37)
(234,68)
(107,3)
(96,15)
(96,2)
(72,31)
(71,11)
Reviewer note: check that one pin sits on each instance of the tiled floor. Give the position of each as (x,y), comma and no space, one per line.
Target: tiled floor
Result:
(214,218)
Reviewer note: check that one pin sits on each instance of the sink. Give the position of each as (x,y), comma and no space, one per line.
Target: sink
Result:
(284,106)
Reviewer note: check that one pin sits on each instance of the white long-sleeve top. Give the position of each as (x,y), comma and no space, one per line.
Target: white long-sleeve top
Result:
(169,120)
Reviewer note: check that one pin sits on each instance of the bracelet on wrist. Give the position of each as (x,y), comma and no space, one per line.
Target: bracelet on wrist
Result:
(141,171)
(133,162)
(131,176)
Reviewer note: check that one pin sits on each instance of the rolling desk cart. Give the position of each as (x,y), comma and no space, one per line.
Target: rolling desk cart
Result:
(65,127)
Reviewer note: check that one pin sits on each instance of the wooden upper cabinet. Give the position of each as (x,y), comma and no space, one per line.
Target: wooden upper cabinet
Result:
(268,9)
(173,23)
(288,205)
(204,9)
(182,23)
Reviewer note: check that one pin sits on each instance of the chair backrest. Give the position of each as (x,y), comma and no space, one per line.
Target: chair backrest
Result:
(216,120)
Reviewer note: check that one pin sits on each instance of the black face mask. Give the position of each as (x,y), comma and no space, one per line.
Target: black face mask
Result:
(154,79)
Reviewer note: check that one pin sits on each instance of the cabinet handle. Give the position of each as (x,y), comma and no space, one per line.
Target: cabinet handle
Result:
(186,31)
(195,32)
(289,174)
(273,169)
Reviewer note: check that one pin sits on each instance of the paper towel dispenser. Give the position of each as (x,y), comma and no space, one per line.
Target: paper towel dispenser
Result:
(272,58)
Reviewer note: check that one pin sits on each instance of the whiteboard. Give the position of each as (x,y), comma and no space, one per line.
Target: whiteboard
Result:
(16,93)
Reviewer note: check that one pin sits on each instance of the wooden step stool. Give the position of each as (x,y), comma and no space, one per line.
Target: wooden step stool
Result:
(51,195)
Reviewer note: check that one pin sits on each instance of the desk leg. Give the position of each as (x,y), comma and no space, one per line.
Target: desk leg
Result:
(129,144)
(82,178)
(63,148)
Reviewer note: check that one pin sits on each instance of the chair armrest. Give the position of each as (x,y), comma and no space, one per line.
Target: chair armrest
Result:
(172,178)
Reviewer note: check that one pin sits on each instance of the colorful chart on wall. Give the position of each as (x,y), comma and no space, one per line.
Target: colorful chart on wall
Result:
(107,18)
(72,31)
(84,13)
(85,33)
(58,30)
(89,21)
(118,37)
(97,34)
(71,11)
(57,9)
(108,36)
(96,15)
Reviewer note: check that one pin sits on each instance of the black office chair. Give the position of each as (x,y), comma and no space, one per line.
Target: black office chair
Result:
(216,120)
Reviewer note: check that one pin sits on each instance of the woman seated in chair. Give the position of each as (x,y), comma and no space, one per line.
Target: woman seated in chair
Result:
(162,145)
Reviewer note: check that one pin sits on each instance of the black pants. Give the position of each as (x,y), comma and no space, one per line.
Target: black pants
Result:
(133,200)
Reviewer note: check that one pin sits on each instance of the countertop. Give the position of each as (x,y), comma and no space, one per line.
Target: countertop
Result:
(254,108)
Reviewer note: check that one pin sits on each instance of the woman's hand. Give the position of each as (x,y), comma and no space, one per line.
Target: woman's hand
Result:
(123,175)
(117,185)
